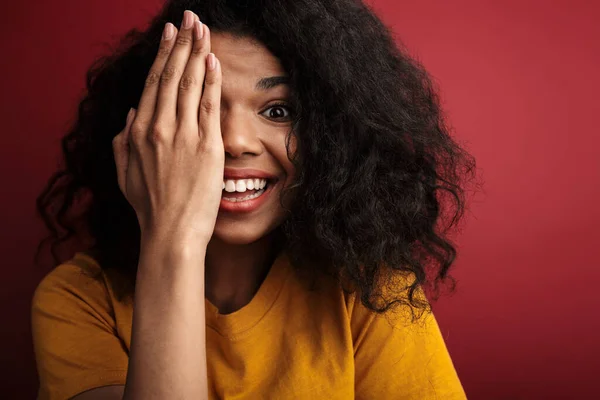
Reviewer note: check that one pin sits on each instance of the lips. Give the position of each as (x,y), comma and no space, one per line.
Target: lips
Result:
(246,173)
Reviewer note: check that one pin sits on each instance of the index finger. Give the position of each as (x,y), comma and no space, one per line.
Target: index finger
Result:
(147,102)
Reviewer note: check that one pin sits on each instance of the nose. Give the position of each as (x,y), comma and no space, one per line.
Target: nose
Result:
(239,133)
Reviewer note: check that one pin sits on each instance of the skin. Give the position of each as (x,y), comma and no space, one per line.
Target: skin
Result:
(236,258)
(190,250)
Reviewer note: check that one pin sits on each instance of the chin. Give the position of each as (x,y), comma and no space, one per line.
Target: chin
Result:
(240,233)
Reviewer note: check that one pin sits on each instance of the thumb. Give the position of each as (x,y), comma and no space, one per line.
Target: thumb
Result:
(121,151)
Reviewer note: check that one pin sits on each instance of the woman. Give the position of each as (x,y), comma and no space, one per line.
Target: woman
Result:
(273,199)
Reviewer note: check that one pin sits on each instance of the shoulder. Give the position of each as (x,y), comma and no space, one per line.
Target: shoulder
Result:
(76,340)
(81,269)
(401,350)
(80,273)
(393,290)
(75,286)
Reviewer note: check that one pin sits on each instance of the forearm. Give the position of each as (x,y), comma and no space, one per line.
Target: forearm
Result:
(168,344)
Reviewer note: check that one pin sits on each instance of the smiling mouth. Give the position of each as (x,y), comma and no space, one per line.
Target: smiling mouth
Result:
(248,194)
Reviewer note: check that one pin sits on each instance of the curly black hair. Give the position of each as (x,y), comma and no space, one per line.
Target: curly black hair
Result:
(379,180)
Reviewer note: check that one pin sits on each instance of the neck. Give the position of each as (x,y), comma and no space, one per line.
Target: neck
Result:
(235,272)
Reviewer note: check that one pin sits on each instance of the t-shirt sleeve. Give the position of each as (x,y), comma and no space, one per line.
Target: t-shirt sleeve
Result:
(74,334)
(398,359)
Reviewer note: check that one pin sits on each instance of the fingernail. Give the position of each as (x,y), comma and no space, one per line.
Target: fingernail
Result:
(199,30)
(129,115)
(212,62)
(188,19)
(169,31)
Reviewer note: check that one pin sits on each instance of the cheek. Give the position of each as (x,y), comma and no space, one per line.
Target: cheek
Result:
(279,153)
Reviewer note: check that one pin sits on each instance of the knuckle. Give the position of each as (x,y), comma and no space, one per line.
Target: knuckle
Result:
(168,74)
(157,134)
(117,142)
(136,131)
(136,140)
(198,50)
(212,78)
(208,106)
(163,50)
(209,149)
(183,40)
(187,82)
(152,78)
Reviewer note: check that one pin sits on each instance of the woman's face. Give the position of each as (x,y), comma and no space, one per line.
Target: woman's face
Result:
(254,126)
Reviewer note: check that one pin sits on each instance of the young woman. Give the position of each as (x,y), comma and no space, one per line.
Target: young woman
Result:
(264,224)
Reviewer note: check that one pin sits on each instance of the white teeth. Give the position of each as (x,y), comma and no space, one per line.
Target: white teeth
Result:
(241,185)
(249,197)
(229,186)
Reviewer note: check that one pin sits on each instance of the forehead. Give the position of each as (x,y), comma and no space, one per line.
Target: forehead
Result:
(243,60)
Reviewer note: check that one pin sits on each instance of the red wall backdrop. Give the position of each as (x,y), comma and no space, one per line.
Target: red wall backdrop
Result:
(519,81)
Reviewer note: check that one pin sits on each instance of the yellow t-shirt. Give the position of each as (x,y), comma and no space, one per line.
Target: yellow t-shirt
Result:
(287,343)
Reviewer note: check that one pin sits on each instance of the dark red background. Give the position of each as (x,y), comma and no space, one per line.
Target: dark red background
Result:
(520,82)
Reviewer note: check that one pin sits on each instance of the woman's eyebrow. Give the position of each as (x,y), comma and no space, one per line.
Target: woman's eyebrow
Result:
(271,81)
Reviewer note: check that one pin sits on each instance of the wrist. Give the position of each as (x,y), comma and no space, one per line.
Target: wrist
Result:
(173,245)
